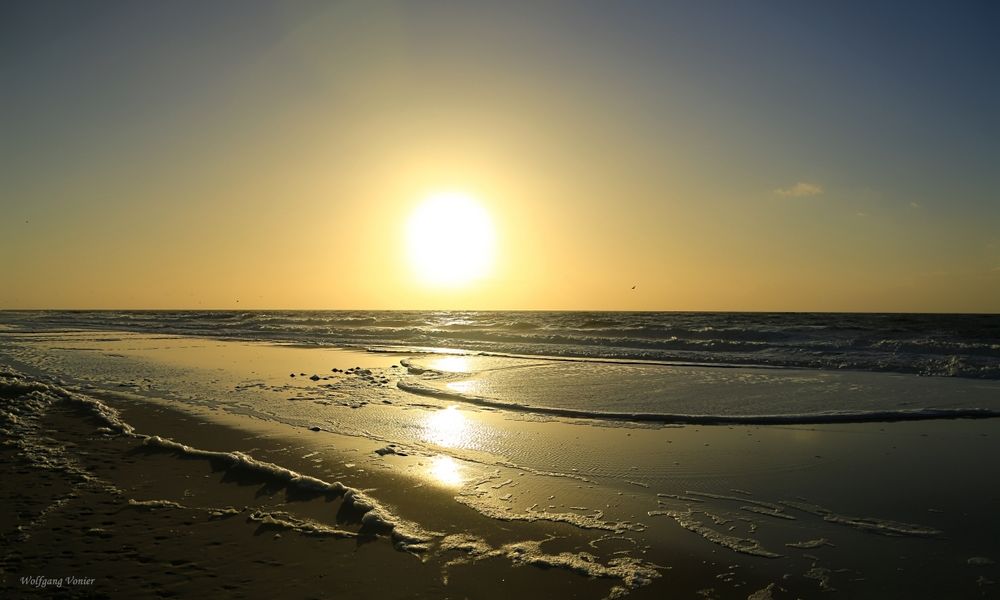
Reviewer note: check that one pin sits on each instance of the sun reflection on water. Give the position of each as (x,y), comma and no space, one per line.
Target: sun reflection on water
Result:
(450,364)
(447,427)
(446,470)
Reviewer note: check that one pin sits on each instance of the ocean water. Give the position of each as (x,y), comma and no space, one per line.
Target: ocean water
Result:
(966,346)
(640,367)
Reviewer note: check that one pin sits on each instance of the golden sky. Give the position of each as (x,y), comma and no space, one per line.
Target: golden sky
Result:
(157,158)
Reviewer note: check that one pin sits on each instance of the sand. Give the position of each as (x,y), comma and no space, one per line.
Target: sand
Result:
(139,466)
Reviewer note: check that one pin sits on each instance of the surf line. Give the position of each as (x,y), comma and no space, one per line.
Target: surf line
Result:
(916,414)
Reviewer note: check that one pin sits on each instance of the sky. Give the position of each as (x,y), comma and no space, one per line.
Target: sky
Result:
(758,156)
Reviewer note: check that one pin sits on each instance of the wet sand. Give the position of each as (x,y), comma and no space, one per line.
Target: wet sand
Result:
(866,510)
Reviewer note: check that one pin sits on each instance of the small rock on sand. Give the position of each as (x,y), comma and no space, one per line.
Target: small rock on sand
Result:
(763,594)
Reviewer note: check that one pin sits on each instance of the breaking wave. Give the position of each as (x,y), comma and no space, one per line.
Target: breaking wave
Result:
(829,416)
(939,345)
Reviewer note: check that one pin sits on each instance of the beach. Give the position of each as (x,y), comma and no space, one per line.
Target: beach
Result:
(142,464)
(463,300)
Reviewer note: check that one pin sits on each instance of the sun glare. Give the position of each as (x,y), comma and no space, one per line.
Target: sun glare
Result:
(450,240)
(445,470)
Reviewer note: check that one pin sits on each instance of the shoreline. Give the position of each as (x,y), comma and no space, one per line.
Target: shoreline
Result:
(188,489)
(680,513)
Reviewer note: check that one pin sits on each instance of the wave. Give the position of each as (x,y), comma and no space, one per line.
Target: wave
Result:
(934,345)
(804,418)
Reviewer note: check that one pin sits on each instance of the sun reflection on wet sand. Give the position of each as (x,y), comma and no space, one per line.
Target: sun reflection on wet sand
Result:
(447,427)
(451,364)
(446,470)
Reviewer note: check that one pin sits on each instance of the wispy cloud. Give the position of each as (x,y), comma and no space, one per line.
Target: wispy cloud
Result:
(801,189)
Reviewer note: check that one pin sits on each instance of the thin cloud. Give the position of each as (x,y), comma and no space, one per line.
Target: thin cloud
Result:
(801,189)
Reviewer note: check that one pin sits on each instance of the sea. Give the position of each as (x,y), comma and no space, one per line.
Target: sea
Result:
(941,345)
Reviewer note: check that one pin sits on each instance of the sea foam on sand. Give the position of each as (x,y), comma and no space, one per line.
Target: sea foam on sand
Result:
(23,401)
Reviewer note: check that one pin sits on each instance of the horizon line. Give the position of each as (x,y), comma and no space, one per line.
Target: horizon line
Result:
(514,310)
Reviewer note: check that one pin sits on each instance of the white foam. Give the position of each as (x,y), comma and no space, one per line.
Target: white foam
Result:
(737,544)
(541,473)
(283,520)
(678,497)
(240,460)
(768,505)
(477,495)
(810,544)
(870,524)
(405,535)
(632,572)
(493,510)
(15,385)
(23,403)
(760,510)
(154,504)
(466,543)
(33,397)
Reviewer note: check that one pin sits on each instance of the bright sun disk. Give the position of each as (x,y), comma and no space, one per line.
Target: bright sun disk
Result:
(450,240)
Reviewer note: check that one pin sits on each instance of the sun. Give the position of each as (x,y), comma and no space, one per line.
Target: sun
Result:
(450,240)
